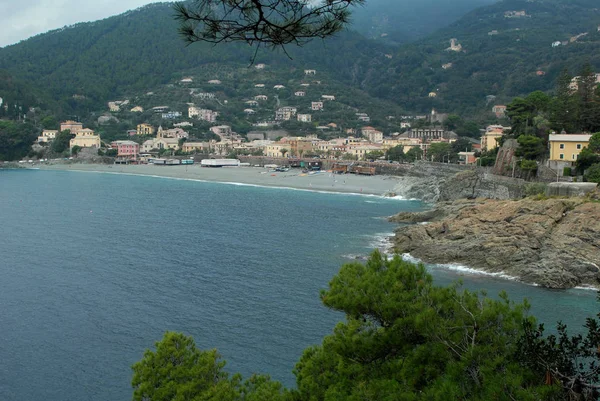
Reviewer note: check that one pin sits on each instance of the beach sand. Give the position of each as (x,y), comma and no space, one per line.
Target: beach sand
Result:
(294,178)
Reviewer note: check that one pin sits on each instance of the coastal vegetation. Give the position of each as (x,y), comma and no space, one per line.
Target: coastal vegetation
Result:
(403,338)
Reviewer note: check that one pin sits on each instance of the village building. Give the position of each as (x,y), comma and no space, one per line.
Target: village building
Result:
(222,131)
(454,45)
(259,85)
(137,109)
(160,109)
(47,135)
(195,147)
(72,126)
(202,114)
(261,97)
(316,106)
(489,140)
(127,149)
(204,95)
(251,103)
(279,87)
(260,66)
(565,148)
(499,110)
(85,138)
(304,118)
(214,82)
(177,133)
(285,113)
(300,94)
(429,134)
(187,80)
(372,134)
(145,129)
(249,111)
(276,149)
(310,72)
(171,115)
(183,124)
(328,97)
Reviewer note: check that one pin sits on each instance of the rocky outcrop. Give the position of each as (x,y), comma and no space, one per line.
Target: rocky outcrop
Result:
(554,243)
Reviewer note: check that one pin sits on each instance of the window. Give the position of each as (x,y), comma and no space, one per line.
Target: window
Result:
(562,146)
(578,146)
(561,156)
(573,156)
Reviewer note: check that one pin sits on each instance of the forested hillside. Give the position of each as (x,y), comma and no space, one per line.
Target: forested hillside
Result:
(403,21)
(87,64)
(500,54)
(502,50)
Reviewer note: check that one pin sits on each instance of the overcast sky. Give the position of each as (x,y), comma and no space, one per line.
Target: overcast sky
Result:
(21,19)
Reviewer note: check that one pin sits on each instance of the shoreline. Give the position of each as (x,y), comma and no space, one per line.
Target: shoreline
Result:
(323,182)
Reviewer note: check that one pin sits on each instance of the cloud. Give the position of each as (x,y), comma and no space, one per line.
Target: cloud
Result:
(22,19)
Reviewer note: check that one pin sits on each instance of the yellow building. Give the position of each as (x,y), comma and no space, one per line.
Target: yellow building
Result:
(406,143)
(145,129)
(489,140)
(190,147)
(567,147)
(275,149)
(361,151)
(85,138)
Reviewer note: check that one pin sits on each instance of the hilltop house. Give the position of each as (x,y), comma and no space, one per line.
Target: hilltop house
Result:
(304,118)
(316,106)
(285,113)
(499,110)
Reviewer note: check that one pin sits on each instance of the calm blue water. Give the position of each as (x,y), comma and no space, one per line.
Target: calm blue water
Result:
(95,267)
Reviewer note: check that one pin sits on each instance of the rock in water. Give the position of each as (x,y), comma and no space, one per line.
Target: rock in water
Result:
(554,243)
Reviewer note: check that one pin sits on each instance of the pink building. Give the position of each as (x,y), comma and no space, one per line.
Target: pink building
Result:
(126,148)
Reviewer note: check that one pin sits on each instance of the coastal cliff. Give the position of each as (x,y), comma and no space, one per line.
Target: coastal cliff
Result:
(554,243)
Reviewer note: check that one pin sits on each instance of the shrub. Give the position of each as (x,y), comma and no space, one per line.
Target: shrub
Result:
(567,171)
(592,174)
(535,189)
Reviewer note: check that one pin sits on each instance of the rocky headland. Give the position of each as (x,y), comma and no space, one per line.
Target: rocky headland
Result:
(552,242)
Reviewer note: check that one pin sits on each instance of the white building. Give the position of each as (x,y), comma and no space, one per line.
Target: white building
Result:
(285,113)
(304,118)
(202,114)
(316,106)
(300,94)
(328,97)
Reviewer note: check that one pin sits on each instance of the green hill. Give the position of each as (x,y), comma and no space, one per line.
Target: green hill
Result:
(501,55)
(84,66)
(404,21)
(140,50)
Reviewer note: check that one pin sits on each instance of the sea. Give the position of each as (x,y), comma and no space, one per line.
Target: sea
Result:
(95,267)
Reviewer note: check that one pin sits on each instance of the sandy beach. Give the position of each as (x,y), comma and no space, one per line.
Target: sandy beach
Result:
(294,178)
